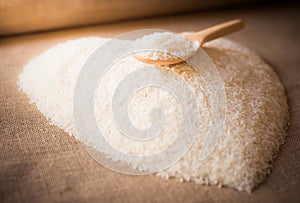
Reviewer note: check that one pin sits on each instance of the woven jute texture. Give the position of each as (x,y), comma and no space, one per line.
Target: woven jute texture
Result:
(41,163)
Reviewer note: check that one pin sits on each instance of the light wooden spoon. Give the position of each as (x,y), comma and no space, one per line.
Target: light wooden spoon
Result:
(199,38)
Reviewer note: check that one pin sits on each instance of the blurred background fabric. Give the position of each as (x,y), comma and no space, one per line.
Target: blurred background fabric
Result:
(25,16)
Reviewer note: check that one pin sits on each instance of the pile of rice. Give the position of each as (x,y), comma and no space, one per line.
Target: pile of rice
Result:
(175,45)
(256,109)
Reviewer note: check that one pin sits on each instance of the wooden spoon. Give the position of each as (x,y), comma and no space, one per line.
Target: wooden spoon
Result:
(199,38)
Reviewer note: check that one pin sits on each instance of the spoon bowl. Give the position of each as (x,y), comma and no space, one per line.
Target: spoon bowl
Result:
(158,62)
(198,38)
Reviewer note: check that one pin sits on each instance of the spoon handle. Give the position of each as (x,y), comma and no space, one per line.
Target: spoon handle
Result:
(217,31)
